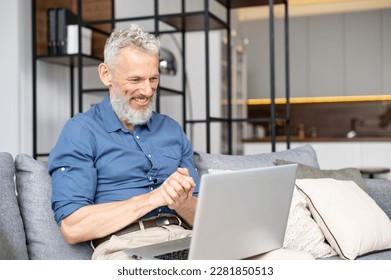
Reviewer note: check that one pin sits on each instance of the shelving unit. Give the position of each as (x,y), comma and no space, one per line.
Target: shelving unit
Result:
(99,16)
(86,10)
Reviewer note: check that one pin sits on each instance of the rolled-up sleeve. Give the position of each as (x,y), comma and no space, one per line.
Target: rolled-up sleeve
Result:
(71,166)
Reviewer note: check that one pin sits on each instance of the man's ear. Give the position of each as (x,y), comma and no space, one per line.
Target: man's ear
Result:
(105,74)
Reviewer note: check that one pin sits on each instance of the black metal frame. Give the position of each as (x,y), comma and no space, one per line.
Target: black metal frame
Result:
(273,115)
(79,60)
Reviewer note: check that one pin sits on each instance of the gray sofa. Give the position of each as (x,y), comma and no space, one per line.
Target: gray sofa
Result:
(28,230)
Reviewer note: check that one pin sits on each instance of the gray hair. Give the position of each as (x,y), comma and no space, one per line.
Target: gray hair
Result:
(132,36)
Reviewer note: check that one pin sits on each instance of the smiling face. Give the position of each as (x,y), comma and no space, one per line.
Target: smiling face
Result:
(132,81)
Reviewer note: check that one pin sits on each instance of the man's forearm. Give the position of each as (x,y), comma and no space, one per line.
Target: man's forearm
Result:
(99,220)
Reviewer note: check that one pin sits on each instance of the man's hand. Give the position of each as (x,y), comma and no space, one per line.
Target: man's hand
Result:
(177,188)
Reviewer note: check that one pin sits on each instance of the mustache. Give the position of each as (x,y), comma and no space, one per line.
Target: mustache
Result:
(139,96)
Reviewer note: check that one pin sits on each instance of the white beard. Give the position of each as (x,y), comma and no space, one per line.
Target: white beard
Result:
(125,113)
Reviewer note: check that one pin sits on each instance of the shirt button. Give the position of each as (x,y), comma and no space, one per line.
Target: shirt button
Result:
(160,210)
(62,168)
(151,188)
(138,137)
(149,156)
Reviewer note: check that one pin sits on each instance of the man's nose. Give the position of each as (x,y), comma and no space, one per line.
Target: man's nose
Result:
(147,88)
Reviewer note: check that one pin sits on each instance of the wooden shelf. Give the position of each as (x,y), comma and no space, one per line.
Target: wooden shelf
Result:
(233,4)
(70,60)
(193,21)
(169,92)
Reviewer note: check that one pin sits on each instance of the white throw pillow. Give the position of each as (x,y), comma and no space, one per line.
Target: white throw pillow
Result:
(350,219)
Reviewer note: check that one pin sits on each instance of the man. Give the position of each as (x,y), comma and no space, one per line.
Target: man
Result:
(123,176)
(120,166)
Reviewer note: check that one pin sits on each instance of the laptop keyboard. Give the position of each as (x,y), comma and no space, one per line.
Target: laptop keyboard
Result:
(177,255)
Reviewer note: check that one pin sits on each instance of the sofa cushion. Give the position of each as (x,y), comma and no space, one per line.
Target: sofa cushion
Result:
(204,161)
(380,191)
(350,219)
(309,172)
(381,255)
(6,251)
(11,224)
(44,239)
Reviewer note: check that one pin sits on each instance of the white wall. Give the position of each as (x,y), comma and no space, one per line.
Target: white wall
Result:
(330,55)
(10,93)
(15,73)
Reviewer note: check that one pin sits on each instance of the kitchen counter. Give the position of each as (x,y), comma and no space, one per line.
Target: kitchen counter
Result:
(320,139)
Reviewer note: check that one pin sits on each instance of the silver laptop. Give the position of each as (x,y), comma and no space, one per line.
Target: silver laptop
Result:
(239,214)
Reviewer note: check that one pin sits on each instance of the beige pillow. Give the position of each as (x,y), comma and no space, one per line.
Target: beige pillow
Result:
(309,172)
(302,232)
(350,219)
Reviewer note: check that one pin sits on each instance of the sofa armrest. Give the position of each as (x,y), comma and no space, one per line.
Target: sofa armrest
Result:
(380,191)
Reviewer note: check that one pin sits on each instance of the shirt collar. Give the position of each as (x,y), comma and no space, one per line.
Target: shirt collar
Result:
(111,121)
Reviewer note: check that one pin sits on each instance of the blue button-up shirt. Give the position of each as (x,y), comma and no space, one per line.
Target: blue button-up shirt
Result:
(97,159)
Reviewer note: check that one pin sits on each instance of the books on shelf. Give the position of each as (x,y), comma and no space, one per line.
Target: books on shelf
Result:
(63,33)
(64,17)
(52,31)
